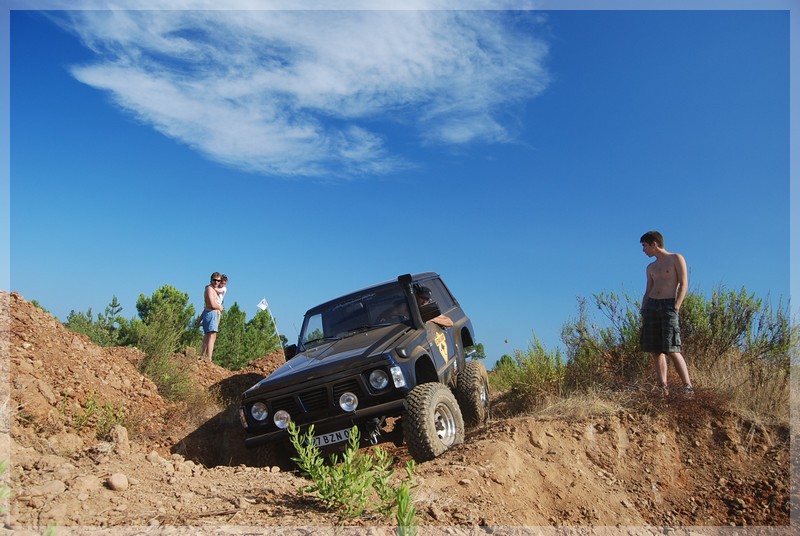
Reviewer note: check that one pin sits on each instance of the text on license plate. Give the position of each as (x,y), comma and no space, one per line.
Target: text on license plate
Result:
(332,438)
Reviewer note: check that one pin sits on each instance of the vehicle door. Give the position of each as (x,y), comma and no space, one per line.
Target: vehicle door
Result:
(441,344)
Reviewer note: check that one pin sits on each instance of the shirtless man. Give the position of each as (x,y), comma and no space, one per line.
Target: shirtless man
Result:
(667,283)
(211,315)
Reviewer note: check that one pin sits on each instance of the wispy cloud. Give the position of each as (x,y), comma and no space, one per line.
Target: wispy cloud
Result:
(307,93)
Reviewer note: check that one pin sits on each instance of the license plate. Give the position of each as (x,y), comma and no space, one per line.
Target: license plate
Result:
(332,438)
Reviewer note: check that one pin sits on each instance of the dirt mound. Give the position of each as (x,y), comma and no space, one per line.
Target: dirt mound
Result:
(57,374)
(676,462)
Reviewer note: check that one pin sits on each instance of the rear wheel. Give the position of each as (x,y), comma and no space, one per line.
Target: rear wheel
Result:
(432,422)
(472,393)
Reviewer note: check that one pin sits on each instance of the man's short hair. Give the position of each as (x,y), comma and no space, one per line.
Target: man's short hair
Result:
(652,236)
(424,292)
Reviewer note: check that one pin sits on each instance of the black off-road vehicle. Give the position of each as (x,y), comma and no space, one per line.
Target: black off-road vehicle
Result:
(374,355)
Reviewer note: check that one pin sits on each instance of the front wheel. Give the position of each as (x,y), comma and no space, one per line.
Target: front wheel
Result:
(432,422)
(472,393)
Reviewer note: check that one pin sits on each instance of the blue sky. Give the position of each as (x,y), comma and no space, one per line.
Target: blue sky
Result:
(520,154)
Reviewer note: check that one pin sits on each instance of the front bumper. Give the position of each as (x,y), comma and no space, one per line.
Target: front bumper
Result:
(331,424)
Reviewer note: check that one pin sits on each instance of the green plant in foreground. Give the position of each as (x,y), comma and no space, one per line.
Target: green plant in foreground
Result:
(382,475)
(347,485)
(406,513)
(344,485)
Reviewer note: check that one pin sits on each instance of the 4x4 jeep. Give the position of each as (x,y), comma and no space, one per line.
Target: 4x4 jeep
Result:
(370,356)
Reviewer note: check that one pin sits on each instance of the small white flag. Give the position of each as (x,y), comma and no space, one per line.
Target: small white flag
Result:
(263,304)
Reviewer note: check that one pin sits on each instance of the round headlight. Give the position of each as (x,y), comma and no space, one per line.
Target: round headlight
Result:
(282,419)
(259,411)
(378,379)
(348,402)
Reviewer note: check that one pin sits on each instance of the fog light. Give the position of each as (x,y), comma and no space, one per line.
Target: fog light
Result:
(378,379)
(348,402)
(397,376)
(259,411)
(282,419)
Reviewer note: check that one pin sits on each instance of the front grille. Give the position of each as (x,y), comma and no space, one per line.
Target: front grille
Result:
(319,399)
(314,400)
(351,385)
(286,404)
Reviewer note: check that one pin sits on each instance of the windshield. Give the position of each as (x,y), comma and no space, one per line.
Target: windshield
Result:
(354,313)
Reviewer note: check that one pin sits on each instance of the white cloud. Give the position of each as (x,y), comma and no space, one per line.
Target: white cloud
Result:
(299,93)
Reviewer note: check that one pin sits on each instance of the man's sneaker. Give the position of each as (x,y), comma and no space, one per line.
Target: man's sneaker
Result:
(688,391)
(662,390)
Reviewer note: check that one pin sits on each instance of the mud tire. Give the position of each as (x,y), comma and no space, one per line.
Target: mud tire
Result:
(432,422)
(472,393)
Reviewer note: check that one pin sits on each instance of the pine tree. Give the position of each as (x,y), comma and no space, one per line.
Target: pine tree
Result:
(262,335)
(168,309)
(110,322)
(229,349)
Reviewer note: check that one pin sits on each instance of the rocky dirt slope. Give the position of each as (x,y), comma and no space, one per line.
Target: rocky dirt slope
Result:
(181,468)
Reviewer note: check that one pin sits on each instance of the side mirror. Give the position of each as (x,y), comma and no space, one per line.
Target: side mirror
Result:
(429,311)
(290,351)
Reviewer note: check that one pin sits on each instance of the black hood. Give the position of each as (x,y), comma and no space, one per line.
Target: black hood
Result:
(330,358)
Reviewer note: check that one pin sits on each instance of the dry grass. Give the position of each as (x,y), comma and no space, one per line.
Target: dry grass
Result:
(199,405)
(757,391)
(584,405)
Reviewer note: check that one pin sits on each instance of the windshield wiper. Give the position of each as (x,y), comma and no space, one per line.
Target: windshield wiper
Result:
(324,339)
(366,327)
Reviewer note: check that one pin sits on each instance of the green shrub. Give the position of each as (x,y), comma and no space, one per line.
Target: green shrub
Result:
(82,418)
(39,305)
(171,374)
(240,342)
(103,416)
(347,485)
(108,417)
(382,474)
(536,376)
(607,356)
(733,342)
(504,373)
(160,336)
(710,328)
(105,330)
(406,513)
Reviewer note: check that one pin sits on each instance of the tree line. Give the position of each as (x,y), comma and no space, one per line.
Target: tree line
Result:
(165,324)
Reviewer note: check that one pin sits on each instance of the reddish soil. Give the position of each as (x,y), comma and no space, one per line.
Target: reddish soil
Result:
(176,465)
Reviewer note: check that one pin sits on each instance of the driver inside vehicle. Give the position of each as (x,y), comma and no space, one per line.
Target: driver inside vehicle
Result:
(424,297)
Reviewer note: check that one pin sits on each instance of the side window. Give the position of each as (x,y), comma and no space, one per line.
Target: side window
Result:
(440,294)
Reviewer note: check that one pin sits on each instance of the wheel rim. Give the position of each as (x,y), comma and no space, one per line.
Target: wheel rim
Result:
(484,394)
(445,424)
